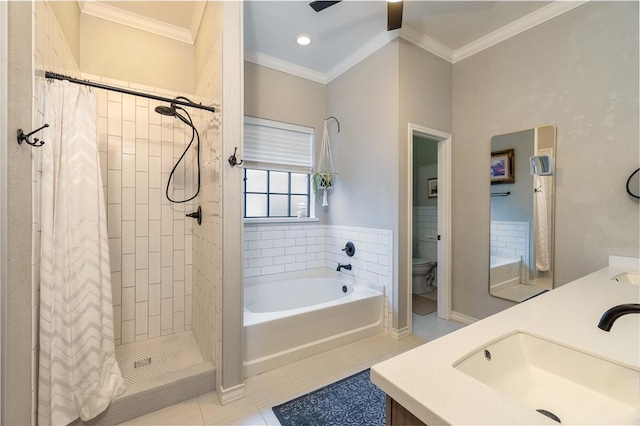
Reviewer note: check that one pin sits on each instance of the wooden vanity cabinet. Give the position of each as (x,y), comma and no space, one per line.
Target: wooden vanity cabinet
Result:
(397,415)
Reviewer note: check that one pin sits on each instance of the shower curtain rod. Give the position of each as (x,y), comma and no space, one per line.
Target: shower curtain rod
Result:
(55,76)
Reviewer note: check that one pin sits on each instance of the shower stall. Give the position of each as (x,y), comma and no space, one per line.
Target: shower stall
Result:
(160,152)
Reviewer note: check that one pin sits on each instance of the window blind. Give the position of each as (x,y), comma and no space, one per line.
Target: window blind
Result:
(277,146)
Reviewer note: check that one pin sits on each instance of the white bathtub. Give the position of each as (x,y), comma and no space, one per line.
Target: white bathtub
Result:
(504,271)
(288,317)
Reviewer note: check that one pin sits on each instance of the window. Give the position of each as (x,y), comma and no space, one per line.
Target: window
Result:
(278,165)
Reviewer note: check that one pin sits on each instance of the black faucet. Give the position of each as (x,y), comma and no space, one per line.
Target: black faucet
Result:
(341,266)
(609,317)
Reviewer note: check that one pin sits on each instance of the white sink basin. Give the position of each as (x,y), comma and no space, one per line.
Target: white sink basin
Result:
(577,387)
(628,277)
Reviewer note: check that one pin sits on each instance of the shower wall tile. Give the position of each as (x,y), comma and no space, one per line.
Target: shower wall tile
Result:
(148,234)
(203,281)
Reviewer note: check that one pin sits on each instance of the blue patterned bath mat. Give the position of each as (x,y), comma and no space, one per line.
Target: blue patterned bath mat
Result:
(352,401)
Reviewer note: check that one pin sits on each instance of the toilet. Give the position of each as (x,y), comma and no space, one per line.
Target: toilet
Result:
(424,266)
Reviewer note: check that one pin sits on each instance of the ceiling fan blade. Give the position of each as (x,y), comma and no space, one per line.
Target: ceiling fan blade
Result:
(394,15)
(319,6)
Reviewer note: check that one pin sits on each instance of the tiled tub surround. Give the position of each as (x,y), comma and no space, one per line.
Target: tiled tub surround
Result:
(277,248)
(511,239)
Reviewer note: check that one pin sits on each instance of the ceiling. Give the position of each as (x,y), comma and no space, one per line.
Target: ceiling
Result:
(347,32)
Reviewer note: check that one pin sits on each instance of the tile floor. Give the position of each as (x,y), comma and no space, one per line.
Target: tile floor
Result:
(296,379)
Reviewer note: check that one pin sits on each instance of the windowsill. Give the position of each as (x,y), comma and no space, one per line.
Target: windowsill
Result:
(263,220)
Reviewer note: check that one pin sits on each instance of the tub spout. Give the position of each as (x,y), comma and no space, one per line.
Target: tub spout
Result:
(341,266)
(609,317)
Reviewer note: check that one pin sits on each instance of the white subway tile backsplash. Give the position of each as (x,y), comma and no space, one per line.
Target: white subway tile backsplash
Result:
(116,286)
(142,253)
(154,326)
(155,296)
(128,204)
(128,171)
(128,270)
(142,220)
(128,237)
(114,186)
(166,314)
(128,303)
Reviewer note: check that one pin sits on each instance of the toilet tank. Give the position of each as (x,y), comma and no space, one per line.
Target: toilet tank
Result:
(428,248)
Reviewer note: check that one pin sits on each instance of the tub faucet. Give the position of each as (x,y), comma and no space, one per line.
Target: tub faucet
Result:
(609,317)
(341,266)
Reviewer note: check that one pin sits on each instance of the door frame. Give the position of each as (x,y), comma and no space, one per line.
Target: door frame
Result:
(445,181)
(4,63)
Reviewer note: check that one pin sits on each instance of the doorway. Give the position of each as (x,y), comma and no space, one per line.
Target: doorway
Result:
(429,188)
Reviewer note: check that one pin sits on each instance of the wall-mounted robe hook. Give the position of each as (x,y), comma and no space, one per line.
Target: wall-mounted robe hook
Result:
(23,137)
(233,160)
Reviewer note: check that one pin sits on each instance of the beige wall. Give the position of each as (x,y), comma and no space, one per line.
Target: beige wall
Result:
(116,51)
(425,100)
(366,101)
(578,71)
(67,14)
(16,297)
(279,96)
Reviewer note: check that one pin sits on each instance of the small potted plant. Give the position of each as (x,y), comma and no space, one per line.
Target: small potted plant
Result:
(322,180)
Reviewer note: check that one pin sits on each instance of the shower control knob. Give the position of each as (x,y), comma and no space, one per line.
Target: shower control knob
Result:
(349,249)
(197,215)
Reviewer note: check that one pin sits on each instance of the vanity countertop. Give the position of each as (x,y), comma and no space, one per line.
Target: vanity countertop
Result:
(425,382)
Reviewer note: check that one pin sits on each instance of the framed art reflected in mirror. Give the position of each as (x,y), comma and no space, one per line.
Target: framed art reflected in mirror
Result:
(502,167)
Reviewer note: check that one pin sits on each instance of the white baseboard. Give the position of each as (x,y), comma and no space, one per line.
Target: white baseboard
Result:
(399,334)
(228,395)
(465,319)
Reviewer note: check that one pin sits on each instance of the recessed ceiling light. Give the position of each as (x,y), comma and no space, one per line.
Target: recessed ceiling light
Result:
(303,39)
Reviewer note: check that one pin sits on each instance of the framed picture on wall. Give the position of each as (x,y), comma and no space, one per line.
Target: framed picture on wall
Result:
(432,188)
(502,167)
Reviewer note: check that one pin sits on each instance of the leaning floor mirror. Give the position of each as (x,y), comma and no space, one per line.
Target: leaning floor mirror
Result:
(522,213)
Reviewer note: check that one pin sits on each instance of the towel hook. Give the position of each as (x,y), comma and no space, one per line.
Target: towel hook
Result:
(233,160)
(328,118)
(36,142)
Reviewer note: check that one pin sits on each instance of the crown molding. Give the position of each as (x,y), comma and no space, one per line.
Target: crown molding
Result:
(521,25)
(361,54)
(284,66)
(427,43)
(196,18)
(133,20)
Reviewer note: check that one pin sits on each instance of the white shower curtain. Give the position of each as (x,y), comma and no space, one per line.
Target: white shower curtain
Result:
(541,221)
(78,372)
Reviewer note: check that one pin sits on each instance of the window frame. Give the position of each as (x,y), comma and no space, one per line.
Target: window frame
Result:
(291,213)
(280,168)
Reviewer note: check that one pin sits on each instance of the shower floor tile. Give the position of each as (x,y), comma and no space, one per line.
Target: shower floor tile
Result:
(168,353)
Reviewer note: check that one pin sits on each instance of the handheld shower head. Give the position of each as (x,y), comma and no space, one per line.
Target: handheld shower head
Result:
(165,110)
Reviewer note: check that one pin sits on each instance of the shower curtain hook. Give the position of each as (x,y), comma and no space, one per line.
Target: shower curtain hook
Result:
(330,117)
